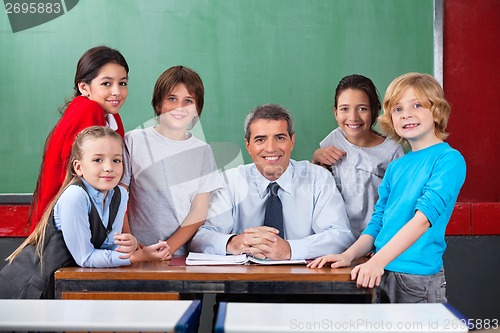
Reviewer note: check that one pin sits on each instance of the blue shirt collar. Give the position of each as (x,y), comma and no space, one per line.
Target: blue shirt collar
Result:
(96,195)
(285,181)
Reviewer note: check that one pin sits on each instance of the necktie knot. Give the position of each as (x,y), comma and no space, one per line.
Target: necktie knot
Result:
(273,188)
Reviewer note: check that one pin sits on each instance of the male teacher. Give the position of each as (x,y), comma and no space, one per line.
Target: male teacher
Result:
(275,207)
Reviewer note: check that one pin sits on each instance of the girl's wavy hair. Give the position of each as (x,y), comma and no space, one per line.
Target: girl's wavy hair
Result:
(428,92)
(38,235)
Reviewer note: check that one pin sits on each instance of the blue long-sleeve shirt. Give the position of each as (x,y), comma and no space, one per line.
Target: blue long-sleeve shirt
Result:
(71,216)
(427,180)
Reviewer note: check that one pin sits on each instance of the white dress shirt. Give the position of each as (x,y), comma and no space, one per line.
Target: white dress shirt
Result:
(314,214)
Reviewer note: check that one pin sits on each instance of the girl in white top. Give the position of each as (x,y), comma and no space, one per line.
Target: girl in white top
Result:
(356,154)
(169,172)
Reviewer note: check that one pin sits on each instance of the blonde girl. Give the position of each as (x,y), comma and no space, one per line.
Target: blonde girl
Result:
(82,225)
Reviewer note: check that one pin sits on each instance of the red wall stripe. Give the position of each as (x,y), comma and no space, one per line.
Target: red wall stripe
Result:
(471,70)
(486,217)
(460,221)
(13,220)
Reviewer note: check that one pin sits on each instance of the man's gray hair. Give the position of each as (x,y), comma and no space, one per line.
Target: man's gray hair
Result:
(271,112)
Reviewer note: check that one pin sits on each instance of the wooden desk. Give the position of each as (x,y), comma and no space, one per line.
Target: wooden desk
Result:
(253,317)
(174,277)
(109,316)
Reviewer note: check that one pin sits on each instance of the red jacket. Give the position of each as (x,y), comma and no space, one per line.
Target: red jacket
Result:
(80,114)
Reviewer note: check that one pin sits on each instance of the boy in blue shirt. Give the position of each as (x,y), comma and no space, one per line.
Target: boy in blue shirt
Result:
(416,199)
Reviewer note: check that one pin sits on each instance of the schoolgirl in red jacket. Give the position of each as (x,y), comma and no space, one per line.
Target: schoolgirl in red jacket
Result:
(100,91)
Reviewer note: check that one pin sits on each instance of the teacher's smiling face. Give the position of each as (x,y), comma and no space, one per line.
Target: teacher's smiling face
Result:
(270,146)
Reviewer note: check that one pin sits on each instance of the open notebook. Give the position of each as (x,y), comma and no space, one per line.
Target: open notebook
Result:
(194,259)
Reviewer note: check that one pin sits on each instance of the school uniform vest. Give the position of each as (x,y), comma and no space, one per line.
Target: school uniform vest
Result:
(30,277)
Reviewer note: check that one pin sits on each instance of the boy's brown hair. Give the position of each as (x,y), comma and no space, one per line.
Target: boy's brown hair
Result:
(170,79)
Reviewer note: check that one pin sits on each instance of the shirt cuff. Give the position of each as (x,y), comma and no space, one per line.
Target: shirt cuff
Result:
(116,261)
(218,243)
(298,249)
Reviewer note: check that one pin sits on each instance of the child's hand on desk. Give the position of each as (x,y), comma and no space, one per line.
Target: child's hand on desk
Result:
(157,252)
(127,244)
(337,260)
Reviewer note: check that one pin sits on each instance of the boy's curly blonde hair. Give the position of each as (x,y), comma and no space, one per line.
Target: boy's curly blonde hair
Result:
(428,92)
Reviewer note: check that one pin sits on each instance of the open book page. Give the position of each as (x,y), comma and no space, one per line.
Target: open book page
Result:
(213,259)
(275,262)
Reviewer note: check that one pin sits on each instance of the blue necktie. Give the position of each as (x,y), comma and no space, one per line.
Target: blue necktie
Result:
(274,209)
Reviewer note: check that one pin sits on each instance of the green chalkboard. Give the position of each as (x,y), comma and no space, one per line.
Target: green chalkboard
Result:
(248,52)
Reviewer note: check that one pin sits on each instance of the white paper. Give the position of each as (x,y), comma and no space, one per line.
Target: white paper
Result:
(199,259)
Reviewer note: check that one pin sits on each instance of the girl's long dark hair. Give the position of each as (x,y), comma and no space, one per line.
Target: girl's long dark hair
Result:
(88,67)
